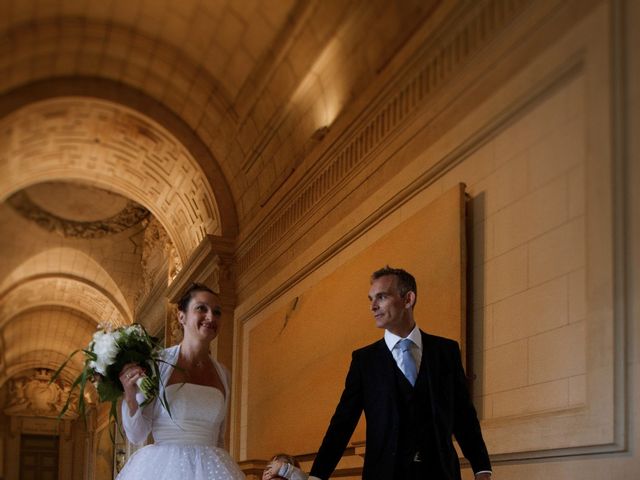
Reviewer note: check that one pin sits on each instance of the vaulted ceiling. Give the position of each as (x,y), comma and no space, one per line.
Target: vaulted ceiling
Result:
(190,113)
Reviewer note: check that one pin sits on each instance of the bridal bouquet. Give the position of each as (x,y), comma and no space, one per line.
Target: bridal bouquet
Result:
(109,351)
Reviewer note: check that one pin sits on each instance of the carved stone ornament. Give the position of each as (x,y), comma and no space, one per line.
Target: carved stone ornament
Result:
(160,261)
(36,395)
(175,264)
(214,279)
(131,215)
(176,332)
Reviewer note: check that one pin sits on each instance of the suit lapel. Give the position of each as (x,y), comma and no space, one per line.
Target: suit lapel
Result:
(385,370)
(387,363)
(428,368)
(425,361)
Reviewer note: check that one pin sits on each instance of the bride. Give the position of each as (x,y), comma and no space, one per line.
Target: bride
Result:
(189,443)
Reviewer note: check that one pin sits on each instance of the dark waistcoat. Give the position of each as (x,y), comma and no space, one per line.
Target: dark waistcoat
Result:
(416,433)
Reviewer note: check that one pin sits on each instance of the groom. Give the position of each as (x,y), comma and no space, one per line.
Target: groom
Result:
(412,389)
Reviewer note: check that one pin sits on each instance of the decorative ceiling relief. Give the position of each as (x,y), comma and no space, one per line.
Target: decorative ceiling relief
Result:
(53,220)
(160,260)
(36,395)
(96,142)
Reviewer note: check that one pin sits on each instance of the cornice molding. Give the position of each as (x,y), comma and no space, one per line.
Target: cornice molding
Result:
(440,57)
(555,79)
(212,254)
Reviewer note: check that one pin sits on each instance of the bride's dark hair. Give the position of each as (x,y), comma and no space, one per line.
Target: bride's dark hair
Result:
(186,297)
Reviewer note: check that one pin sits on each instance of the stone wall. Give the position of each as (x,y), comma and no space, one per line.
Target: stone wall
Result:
(537,128)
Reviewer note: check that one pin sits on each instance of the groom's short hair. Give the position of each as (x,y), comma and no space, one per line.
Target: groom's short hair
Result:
(406,281)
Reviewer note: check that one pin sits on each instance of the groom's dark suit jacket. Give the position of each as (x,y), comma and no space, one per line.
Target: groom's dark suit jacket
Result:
(372,386)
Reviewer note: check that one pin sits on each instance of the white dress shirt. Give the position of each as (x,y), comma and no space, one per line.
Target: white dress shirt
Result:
(416,347)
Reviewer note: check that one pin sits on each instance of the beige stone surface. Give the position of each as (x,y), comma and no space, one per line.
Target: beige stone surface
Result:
(531,399)
(558,252)
(533,105)
(536,310)
(302,351)
(557,354)
(506,367)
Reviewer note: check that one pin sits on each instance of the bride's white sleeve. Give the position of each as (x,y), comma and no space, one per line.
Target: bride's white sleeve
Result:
(137,426)
(227,386)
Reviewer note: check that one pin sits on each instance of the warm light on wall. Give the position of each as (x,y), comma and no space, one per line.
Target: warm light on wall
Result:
(323,89)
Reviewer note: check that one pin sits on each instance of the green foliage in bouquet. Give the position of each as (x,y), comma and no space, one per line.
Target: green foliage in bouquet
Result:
(105,357)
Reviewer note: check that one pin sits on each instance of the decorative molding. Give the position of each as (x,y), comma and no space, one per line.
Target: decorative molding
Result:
(426,179)
(110,145)
(622,239)
(150,312)
(414,85)
(131,215)
(120,93)
(213,258)
(175,331)
(160,261)
(37,396)
(572,67)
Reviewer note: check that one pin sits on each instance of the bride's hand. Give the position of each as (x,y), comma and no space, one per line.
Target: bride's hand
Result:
(130,373)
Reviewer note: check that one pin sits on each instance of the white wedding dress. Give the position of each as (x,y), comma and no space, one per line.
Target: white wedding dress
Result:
(188,444)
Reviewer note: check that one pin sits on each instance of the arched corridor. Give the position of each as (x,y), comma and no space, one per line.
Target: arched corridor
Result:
(280,151)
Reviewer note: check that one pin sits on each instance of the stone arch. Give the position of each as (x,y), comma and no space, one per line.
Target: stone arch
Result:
(68,292)
(114,147)
(70,263)
(123,94)
(43,337)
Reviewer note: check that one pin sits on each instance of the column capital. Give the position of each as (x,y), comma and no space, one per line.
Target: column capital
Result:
(211,262)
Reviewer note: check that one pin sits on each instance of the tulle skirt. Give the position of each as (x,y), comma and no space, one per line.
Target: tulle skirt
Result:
(180,462)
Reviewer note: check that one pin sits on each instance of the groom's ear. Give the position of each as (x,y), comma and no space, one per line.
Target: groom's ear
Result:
(181,317)
(410,299)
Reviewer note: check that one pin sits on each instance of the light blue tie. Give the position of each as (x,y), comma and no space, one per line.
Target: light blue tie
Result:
(409,363)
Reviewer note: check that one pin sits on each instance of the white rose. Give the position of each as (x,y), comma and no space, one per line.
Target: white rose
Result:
(106,350)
